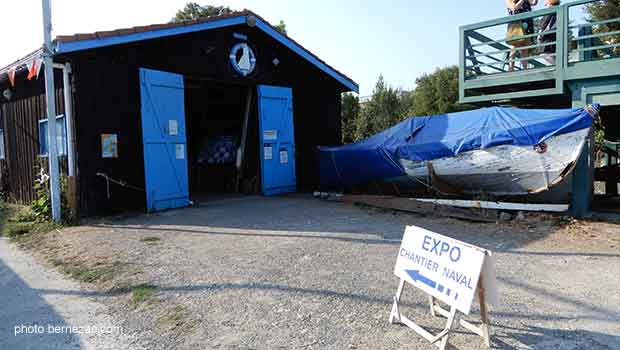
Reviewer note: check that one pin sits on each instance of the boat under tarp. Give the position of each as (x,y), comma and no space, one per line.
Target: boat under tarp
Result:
(495,151)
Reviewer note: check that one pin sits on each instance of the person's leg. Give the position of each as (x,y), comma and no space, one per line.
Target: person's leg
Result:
(525,62)
(511,58)
(550,54)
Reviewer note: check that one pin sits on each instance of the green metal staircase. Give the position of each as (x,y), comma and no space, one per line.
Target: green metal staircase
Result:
(585,69)
(584,50)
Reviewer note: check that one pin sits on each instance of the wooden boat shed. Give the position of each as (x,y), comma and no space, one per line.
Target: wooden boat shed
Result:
(158,116)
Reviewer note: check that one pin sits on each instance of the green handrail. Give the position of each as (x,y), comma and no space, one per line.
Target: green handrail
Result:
(591,24)
(597,35)
(600,47)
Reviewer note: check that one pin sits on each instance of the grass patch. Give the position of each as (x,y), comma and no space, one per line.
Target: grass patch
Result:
(150,239)
(13,230)
(17,221)
(177,320)
(142,292)
(100,272)
(8,219)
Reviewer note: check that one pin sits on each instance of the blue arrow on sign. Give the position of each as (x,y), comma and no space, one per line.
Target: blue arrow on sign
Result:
(417,276)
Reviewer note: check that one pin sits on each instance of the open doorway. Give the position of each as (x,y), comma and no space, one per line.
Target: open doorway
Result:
(216,116)
(607,171)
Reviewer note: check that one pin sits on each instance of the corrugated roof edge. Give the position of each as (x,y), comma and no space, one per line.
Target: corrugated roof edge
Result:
(79,42)
(22,61)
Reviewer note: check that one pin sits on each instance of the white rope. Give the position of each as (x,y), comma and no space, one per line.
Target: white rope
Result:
(118,182)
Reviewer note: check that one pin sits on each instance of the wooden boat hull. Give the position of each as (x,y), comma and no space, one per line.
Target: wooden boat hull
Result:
(504,170)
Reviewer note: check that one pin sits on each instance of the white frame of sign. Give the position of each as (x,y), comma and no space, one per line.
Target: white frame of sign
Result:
(436,310)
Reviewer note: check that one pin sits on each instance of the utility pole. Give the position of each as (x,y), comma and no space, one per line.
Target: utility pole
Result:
(50,97)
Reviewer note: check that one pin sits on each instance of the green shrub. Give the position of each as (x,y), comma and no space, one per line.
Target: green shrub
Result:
(25,215)
(42,206)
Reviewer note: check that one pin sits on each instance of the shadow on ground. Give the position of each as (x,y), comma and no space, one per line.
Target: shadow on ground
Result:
(540,338)
(308,218)
(22,305)
(541,311)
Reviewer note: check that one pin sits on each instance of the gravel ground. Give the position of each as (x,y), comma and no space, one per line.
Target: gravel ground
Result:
(33,296)
(300,273)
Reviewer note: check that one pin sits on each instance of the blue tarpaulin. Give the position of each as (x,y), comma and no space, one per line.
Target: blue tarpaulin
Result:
(439,136)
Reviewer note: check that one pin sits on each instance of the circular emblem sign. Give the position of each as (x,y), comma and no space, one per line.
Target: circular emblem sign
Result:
(242,59)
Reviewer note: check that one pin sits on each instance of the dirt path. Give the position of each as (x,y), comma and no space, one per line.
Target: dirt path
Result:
(300,273)
(34,298)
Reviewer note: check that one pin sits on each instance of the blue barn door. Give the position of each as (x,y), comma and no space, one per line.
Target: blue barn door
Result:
(163,135)
(277,138)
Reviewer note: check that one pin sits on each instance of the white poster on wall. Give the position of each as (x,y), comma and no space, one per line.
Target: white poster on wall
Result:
(180,151)
(268,150)
(173,127)
(283,157)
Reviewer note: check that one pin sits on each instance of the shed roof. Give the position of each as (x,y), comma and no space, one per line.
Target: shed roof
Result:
(78,42)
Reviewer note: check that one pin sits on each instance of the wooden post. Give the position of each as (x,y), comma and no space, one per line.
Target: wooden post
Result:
(431,300)
(395,314)
(68,94)
(449,324)
(441,339)
(484,317)
(244,137)
(581,199)
(72,196)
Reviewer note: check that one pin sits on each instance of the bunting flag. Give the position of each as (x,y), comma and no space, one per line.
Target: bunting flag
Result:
(11,74)
(35,68)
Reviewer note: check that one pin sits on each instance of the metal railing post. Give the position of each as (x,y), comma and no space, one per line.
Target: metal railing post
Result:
(463,63)
(561,45)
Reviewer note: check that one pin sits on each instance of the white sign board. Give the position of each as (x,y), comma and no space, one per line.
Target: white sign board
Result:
(443,267)
(270,135)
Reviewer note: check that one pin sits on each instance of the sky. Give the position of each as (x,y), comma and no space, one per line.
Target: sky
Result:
(400,39)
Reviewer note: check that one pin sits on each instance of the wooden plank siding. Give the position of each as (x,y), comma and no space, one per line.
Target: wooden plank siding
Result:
(107,101)
(20,121)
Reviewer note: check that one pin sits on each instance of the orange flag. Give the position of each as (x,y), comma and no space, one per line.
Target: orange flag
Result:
(34,68)
(11,74)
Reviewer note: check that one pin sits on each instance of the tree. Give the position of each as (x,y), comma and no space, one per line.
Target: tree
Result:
(604,10)
(437,93)
(281,27)
(350,113)
(193,11)
(384,109)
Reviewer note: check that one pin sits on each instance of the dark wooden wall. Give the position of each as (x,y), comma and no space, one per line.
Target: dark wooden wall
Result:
(20,120)
(107,100)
